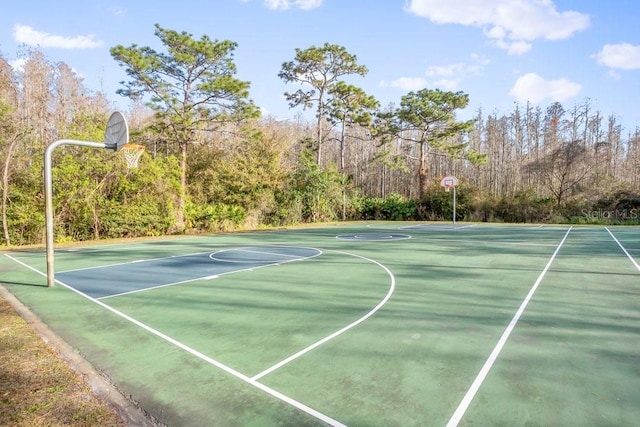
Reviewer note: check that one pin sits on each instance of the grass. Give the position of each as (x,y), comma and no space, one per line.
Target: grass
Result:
(38,387)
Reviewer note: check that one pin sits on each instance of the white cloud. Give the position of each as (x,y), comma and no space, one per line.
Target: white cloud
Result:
(458,68)
(622,56)
(447,84)
(18,64)
(117,10)
(510,24)
(514,48)
(31,37)
(451,75)
(445,70)
(533,88)
(288,4)
(406,83)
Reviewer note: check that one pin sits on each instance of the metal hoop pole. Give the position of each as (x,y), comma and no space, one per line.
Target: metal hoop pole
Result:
(454,205)
(48,198)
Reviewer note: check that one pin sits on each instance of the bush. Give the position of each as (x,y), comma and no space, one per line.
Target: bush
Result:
(393,208)
(524,207)
(218,217)
(437,204)
(143,218)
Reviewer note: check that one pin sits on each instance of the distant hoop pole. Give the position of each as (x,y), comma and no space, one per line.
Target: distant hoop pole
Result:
(449,182)
(116,133)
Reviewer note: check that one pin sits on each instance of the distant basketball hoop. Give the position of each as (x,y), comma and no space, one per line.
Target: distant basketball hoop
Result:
(449,182)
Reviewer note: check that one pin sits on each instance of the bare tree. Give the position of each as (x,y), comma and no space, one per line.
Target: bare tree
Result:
(562,169)
(11,135)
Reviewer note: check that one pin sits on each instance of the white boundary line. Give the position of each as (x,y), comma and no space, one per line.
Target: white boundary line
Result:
(466,401)
(435,226)
(250,249)
(623,249)
(166,285)
(341,331)
(491,242)
(382,237)
(330,421)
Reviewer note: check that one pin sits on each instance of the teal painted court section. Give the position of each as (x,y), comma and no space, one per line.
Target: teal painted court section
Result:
(395,325)
(143,274)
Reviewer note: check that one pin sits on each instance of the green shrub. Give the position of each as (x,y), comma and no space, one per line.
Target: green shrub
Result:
(218,217)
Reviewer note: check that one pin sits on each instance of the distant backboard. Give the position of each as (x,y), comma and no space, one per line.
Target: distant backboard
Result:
(117,133)
(449,182)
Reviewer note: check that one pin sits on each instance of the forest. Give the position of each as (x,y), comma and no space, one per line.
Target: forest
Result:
(213,163)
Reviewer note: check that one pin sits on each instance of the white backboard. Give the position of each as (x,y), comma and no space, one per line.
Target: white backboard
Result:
(116,134)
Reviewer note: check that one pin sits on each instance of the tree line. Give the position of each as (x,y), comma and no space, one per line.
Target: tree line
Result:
(212,162)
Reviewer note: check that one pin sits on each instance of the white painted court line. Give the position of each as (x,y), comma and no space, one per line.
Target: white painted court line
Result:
(247,250)
(623,249)
(322,417)
(466,401)
(252,251)
(491,242)
(463,226)
(136,291)
(341,331)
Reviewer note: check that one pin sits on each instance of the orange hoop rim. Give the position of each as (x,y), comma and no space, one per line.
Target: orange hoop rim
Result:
(133,147)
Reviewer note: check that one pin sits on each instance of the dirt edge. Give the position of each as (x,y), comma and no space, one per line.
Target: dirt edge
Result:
(128,410)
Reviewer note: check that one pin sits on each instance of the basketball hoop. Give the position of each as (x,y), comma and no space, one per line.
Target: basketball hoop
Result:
(132,153)
(449,182)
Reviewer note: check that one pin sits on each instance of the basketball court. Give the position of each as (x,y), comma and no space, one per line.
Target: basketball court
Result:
(362,324)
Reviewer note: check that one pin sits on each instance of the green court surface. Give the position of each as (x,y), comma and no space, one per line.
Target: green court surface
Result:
(363,324)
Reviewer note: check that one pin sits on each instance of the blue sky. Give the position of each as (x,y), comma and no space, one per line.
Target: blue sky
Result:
(498,51)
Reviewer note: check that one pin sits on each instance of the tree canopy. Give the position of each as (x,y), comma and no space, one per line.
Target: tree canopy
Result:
(192,87)
(319,69)
(212,163)
(427,119)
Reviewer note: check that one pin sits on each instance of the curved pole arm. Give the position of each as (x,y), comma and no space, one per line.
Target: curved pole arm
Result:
(48,198)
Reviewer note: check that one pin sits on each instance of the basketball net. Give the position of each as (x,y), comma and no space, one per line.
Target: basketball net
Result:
(132,153)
